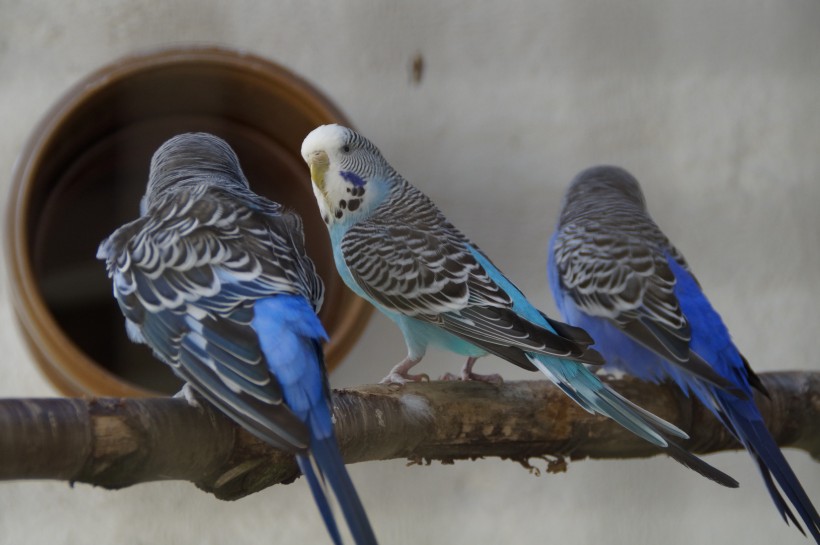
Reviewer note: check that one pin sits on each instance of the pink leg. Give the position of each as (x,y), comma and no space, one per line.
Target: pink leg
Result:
(467,374)
(400,375)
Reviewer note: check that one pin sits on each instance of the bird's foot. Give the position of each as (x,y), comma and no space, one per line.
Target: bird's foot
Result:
(188,394)
(400,373)
(403,378)
(494,378)
(467,374)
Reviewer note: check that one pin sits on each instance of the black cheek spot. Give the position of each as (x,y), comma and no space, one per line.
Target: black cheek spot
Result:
(348,190)
(342,204)
(354,204)
(339,214)
(326,218)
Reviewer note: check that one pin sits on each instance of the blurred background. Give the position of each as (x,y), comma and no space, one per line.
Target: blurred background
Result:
(491,108)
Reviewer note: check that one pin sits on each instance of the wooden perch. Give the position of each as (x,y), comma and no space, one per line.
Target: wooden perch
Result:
(115,443)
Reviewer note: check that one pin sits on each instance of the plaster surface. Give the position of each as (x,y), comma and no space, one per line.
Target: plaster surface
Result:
(715,107)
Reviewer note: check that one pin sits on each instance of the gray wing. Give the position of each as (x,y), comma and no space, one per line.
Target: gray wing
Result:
(623,275)
(411,260)
(186,277)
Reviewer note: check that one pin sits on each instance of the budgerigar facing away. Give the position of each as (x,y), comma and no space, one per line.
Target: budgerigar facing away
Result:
(614,273)
(215,279)
(393,247)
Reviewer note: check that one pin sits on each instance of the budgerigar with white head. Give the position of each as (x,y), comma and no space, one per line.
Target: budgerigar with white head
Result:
(396,249)
(215,279)
(614,273)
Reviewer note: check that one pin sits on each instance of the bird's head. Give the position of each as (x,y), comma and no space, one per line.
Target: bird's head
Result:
(349,174)
(603,184)
(191,159)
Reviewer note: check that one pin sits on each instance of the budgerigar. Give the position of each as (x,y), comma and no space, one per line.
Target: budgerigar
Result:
(394,248)
(615,274)
(215,279)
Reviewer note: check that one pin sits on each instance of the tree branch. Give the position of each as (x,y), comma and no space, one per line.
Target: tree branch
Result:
(115,443)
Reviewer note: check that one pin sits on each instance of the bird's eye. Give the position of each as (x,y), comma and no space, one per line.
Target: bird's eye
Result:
(346,148)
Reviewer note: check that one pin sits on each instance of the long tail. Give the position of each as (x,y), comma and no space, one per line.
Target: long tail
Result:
(331,469)
(289,335)
(320,496)
(596,397)
(742,417)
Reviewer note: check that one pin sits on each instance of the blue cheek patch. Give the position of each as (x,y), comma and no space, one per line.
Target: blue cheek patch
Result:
(353,178)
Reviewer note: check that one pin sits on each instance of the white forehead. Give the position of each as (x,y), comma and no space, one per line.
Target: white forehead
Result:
(325,138)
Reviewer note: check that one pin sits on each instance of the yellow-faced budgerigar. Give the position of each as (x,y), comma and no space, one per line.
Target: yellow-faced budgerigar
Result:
(395,248)
(215,279)
(614,273)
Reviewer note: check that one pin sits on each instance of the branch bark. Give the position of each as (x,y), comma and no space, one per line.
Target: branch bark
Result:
(115,443)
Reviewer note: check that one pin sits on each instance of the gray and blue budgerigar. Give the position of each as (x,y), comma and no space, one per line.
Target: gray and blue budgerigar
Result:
(215,279)
(396,249)
(614,273)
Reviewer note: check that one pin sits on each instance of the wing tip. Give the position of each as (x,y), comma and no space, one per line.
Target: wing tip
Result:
(592,357)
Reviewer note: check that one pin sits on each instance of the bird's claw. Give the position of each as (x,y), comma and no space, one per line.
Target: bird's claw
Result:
(399,378)
(189,395)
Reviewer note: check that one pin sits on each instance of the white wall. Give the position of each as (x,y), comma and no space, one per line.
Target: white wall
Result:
(716,108)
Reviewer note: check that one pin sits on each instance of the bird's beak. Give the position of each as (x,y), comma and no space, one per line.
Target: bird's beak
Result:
(318,163)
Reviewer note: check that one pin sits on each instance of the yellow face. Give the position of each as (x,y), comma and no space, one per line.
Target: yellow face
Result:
(334,154)
(318,150)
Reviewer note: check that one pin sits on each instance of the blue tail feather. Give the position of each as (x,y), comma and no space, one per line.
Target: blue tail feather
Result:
(319,496)
(711,340)
(747,425)
(593,395)
(289,332)
(331,465)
